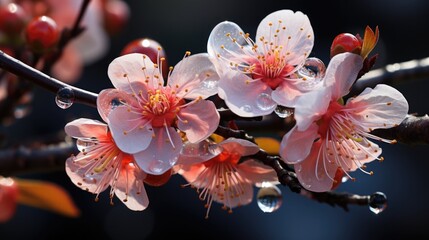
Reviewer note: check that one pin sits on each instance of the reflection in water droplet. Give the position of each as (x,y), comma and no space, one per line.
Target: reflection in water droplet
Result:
(377,202)
(215,149)
(210,84)
(86,143)
(269,198)
(156,167)
(115,102)
(246,108)
(65,97)
(195,149)
(312,71)
(344,179)
(265,102)
(283,112)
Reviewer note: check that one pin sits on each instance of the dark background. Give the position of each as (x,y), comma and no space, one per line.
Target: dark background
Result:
(173,211)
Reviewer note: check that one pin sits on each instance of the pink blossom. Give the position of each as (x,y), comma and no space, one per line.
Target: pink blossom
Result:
(331,136)
(146,114)
(256,76)
(222,179)
(101,164)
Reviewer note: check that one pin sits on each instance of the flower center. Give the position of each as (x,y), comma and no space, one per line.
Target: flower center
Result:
(161,107)
(271,68)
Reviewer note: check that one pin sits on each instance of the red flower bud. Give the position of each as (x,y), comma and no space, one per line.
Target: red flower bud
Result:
(8,198)
(345,42)
(12,19)
(42,34)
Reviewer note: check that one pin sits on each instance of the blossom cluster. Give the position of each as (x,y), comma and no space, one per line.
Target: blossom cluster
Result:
(155,127)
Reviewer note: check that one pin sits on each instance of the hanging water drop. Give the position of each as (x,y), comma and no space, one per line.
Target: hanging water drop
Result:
(283,111)
(246,108)
(156,167)
(269,198)
(377,202)
(65,97)
(265,102)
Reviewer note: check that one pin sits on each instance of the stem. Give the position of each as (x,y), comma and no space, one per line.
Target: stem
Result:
(39,78)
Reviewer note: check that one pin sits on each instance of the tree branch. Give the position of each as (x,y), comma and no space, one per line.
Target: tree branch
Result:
(28,160)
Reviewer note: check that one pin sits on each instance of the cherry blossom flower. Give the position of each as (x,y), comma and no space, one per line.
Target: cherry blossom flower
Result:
(330,136)
(145,116)
(221,178)
(266,70)
(101,164)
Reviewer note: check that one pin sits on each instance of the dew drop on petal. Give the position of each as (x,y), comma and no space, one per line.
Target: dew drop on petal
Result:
(265,102)
(377,202)
(115,102)
(65,97)
(269,198)
(157,167)
(283,111)
(195,149)
(215,149)
(313,72)
(210,84)
(246,108)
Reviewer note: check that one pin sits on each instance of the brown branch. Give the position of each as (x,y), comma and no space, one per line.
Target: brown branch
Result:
(413,130)
(28,160)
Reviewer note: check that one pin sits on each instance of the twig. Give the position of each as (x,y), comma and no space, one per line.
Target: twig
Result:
(39,78)
(28,160)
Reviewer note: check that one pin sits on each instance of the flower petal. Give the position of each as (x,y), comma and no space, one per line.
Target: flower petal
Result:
(196,77)
(295,34)
(319,180)
(244,191)
(310,107)
(231,89)
(130,132)
(296,145)
(162,153)
(341,73)
(85,128)
(129,188)
(109,99)
(221,42)
(257,172)
(133,67)
(286,94)
(381,107)
(239,146)
(198,120)
(193,153)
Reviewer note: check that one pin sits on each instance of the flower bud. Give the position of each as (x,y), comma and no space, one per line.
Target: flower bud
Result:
(345,42)
(12,19)
(42,34)
(116,15)
(8,198)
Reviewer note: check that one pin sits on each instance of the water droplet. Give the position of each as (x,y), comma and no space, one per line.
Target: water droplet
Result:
(156,167)
(195,149)
(215,149)
(269,198)
(283,111)
(344,179)
(312,71)
(265,102)
(115,102)
(65,97)
(85,143)
(377,202)
(246,108)
(210,84)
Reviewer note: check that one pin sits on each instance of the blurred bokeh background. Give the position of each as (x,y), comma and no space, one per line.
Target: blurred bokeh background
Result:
(185,25)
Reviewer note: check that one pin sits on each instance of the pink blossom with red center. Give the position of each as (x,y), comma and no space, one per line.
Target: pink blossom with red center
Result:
(145,115)
(221,178)
(330,136)
(101,164)
(258,75)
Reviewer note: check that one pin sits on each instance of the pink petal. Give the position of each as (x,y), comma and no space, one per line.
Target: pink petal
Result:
(85,128)
(131,133)
(109,99)
(296,145)
(196,77)
(306,171)
(80,175)
(243,189)
(310,107)
(294,25)
(381,107)
(191,172)
(193,153)
(198,120)
(257,172)
(286,94)
(239,146)
(341,73)
(362,152)
(162,153)
(130,190)
(231,89)
(219,43)
(134,67)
